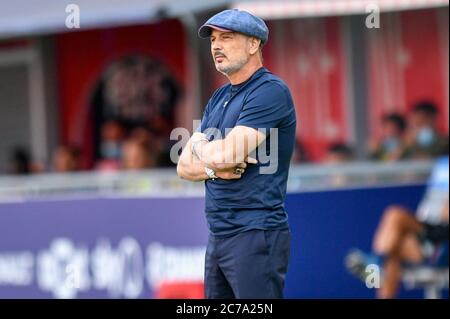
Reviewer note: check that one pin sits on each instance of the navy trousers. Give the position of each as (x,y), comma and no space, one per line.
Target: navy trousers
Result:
(249,265)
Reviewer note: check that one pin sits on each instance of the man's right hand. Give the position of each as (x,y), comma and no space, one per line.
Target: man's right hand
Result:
(230,173)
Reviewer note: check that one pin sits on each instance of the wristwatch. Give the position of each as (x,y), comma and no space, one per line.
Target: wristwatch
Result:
(211,174)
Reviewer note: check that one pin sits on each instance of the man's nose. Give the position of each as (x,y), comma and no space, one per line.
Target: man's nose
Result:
(216,46)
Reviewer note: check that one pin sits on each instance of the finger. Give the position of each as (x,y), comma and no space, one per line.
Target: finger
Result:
(230,177)
(242,165)
(251,160)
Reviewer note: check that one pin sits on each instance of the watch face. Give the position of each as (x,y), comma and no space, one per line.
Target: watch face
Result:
(210,173)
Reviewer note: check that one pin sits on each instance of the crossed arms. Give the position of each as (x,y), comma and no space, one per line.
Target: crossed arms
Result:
(223,156)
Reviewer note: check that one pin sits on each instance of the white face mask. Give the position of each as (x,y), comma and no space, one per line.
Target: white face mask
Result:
(390,144)
(111,150)
(425,136)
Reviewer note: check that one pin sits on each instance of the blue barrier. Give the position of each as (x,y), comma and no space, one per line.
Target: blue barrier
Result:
(325,225)
(141,242)
(98,248)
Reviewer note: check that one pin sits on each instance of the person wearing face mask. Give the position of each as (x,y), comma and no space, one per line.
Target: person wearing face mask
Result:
(112,134)
(391,145)
(424,140)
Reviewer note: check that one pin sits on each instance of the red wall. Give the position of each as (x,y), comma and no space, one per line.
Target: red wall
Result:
(408,62)
(308,54)
(82,56)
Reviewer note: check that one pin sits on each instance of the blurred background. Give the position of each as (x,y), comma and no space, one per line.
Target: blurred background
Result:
(90,203)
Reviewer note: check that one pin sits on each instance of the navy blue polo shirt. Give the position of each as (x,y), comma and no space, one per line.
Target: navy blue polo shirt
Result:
(256,201)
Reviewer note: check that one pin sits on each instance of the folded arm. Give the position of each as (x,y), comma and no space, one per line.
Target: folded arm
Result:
(230,151)
(222,156)
(192,168)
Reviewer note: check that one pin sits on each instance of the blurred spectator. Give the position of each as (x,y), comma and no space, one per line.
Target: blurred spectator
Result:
(136,155)
(65,159)
(159,146)
(391,145)
(404,237)
(112,135)
(20,162)
(142,135)
(338,153)
(140,92)
(424,140)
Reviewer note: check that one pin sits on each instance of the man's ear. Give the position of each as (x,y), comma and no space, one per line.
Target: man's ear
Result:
(254,45)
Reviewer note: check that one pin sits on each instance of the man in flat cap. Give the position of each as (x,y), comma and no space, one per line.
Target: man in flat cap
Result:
(249,242)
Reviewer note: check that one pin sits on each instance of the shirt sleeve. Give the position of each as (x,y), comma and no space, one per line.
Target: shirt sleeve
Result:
(265,108)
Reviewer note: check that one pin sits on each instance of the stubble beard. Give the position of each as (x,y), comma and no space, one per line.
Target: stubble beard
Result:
(232,67)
